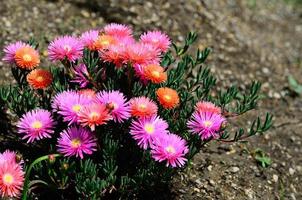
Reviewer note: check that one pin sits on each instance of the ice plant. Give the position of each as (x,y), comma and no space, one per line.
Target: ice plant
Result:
(81,75)
(39,78)
(94,115)
(142,107)
(155,73)
(167,97)
(76,141)
(65,47)
(89,38)
(104,42)
(205,124)
(116,102)
(157,39)
(10,51)
(140,53)
(36,125)
(27,57)
(145,130)
(205,106)
(170,148)
(118,30)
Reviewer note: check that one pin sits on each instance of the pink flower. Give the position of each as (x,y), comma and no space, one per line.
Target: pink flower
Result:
(76,142)
(157,39)
(205,124)
(8,157)
(36,124)
(140,53)
(118,30)
(88,39)
(55,104)
(170,148)
(205,106)
(81,74)
(11,179)
(116,103)
(144,130)
(10,51)
(65,47)
(142,107)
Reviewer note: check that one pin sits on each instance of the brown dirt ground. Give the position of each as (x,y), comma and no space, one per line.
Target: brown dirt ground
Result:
(250,40)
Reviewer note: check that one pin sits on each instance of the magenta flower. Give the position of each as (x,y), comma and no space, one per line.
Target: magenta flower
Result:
(157,39)
(69,105)
(65,47)
(118,30)
(170,148)
(55,104)
(36,124)
(10,51)
(117,103)
(144,130)
(81,73)
(205,124)
(7,157)
(76,142)
(88,39)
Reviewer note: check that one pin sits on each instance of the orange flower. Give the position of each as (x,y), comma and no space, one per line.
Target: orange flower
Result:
(155,73)
(103,42)
(167,97)
(27,58)
(39,78)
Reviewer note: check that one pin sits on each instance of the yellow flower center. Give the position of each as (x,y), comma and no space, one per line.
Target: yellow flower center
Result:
(142,106)
(149,128)
(76,107)
(75,143)
(170,149)
(37,124)
(67,48)
(40,78)
(105,42)
(8,179)
(167,97)
(94,115)
(27,57)
(207,123)
(156,74)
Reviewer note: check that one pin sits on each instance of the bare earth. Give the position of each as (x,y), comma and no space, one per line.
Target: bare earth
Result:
(251,40)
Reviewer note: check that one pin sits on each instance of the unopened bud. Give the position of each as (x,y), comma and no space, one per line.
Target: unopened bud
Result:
(51,158)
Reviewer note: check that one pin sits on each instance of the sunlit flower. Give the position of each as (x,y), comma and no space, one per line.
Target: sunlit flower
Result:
(39,78)
(10,51)
(156,38)
(155,73)
(204,106)
(143,54)
(76,142)
(167,97)
(144,130)
(94,115)
(65,47)
(36,124)
(80,75)
(27,57)
(11,179)
(116,103)
(88,38)
(104,42)
(205,124)
(170,148)
(142,107)
(118,30)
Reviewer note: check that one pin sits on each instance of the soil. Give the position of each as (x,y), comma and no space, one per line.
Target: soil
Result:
(250,40)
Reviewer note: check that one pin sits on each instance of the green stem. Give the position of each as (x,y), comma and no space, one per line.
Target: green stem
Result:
(26,182)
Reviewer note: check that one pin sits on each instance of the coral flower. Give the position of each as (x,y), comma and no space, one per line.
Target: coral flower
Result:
(36,124)
(88,39)
(11,179)
(144,130)
(156,38)
(10,51)
(27,58)
(116,103)
(204,106)
(142,107)
(76,142)
(89,93)
(155,73)
(205,124)
(143,54)
(167,97)
(39,78)
(118,30)
(170,148)
(80,75)
(94,115)
(65,47)
(114,54)
(70,104)
(104,41)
